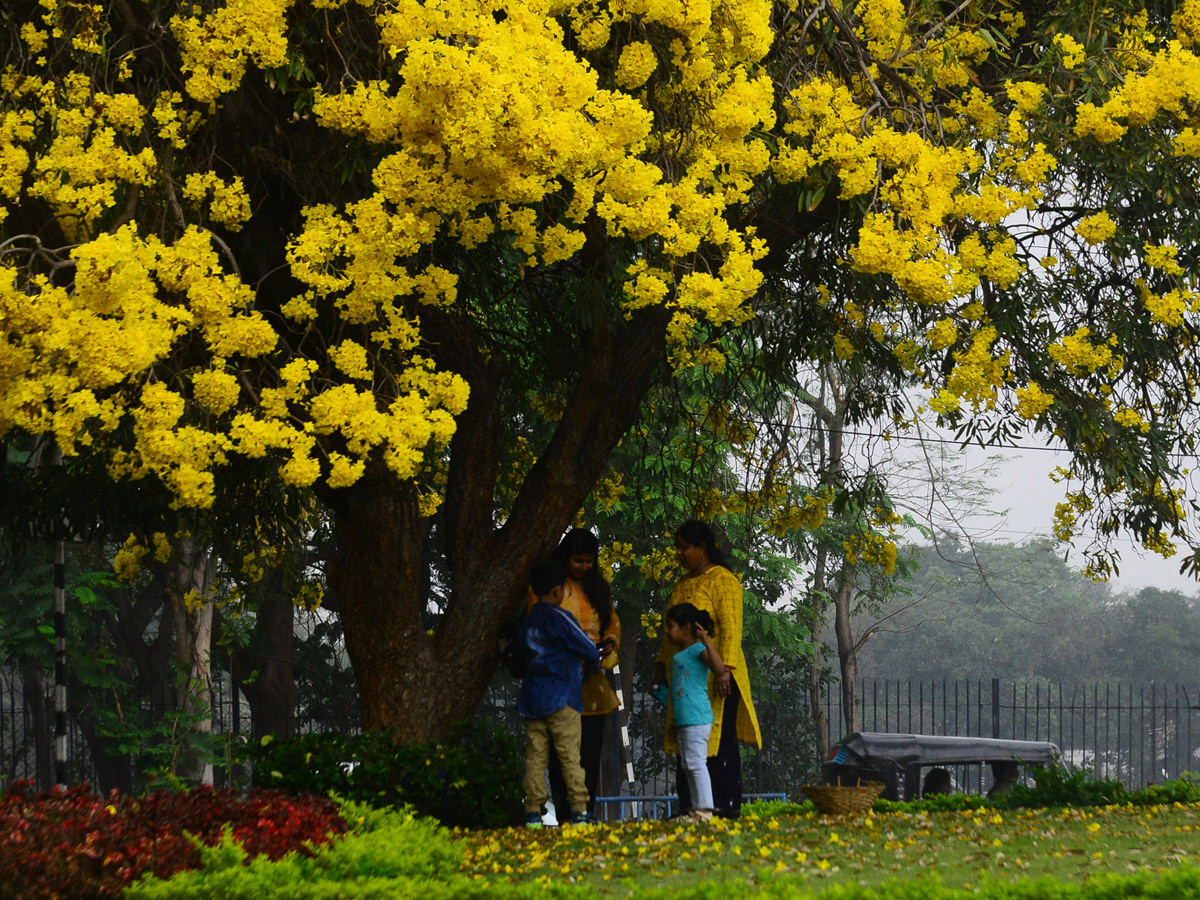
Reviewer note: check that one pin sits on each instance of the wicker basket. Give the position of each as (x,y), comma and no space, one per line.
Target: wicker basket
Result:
(843,800)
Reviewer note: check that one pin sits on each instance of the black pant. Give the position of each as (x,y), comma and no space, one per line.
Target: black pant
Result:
(725,769)
(590,746)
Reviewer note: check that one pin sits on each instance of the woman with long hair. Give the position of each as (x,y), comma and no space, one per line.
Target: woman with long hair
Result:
(708,585)
(588,597)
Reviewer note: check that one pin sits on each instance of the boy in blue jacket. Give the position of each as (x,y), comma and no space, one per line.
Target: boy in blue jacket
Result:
(550,699)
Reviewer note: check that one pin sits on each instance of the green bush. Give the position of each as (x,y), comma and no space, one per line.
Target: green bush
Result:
(471,781)
(938,803)
(1059,785)
(1184,789)
(1054,786)
(389,855)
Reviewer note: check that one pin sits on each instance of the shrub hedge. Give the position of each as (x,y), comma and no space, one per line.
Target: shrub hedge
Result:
(1053,786)
(471,781)
(75,844)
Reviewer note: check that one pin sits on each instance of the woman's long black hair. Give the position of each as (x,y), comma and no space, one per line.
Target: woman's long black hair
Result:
(700,534)
(597,588)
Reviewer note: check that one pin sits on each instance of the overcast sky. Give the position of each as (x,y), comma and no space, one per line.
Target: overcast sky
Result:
(1024,490)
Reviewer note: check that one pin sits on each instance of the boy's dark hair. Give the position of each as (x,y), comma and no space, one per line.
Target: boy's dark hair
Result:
(687,615)
(546,576)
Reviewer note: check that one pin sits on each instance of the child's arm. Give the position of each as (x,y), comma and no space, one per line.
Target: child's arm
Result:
(710,657)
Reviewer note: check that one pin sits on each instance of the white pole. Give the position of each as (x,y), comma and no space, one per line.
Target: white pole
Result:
(621,718)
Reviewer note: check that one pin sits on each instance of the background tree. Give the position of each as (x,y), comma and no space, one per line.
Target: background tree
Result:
(999,610)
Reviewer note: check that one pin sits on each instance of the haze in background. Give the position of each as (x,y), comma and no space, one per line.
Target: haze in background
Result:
(1023,488)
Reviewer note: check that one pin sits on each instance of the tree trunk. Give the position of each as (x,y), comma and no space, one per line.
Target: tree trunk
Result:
(271,692)
(831,413)
(421,685)
(114,769)
(847,650)
(192,601)
(816,611)
(415,683)
(34,697)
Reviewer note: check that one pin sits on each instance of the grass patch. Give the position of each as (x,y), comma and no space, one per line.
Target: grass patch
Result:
(957,848)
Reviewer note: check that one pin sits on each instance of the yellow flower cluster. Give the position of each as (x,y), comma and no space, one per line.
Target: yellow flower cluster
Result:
(488,118)
(51,378)
(978,374)
(1072,51)
(922,187)
(309,595)
(614,555)
(873,549)
(636,65)
(89,159)
(882,26)
(942,334)
(806,516)
(651,622)
(658,565)
(229,205)
(1167,86)
(217,47)
(1168,309)
(129,559)
(1162,257)
(1186,20)
(1130,418)
(1078,355)
(1096,228)
(1032,401)
(609,490)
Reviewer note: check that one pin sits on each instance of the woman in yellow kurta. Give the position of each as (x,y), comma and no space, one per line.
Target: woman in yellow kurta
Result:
(588,597)
(709,586)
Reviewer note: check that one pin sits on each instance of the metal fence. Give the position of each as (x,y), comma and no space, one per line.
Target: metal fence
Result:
(1136,733)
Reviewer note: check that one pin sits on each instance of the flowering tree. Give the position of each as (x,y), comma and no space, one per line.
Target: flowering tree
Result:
(357,246)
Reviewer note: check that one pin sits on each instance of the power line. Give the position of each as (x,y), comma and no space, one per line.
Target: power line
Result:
(898,437)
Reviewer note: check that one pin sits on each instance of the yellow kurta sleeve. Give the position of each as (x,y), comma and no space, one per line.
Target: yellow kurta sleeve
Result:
(726,599)
(599,698)
(612,631)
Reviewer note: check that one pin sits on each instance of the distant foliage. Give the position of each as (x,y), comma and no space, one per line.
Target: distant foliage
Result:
(74,844)
(472,782)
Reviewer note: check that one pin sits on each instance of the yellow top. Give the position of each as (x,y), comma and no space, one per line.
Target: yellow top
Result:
(598,696)
(718,592)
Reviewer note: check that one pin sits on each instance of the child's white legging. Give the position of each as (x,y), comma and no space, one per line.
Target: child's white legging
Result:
(693,752)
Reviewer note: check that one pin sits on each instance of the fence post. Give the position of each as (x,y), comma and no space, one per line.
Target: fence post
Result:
(995,707)
(1153,737)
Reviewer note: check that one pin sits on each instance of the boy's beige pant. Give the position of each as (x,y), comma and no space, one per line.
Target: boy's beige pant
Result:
(562,730)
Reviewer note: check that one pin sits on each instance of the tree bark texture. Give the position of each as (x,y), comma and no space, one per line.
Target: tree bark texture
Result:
(847,650)
(191,597)
(264,670)
(422,685)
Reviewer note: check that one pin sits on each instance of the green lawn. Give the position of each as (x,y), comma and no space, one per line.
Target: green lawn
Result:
(961,847)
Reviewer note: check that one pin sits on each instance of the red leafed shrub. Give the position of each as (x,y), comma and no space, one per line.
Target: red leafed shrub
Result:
(74,844)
